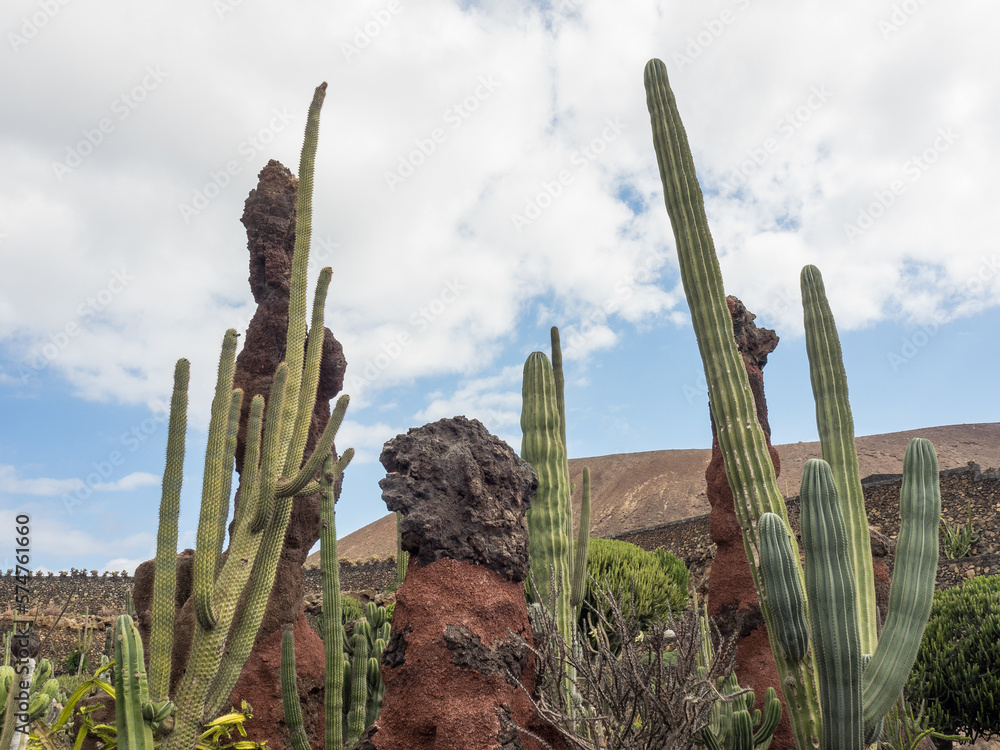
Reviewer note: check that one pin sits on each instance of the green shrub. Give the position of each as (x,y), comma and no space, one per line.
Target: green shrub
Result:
(957,670)
(72,663)
(655,582)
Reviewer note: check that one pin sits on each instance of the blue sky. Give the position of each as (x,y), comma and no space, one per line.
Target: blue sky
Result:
(485,171)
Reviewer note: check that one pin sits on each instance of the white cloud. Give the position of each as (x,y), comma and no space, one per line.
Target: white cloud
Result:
(513,121)
(43,486)
(47,487)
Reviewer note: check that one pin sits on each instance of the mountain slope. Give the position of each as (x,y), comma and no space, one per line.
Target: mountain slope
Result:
(634,490)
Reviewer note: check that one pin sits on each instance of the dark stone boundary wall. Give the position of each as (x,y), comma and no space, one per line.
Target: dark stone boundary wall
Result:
(964,491)
(89,592)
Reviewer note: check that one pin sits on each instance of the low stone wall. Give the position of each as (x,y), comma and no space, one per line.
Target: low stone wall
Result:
(86,592)
(966,492)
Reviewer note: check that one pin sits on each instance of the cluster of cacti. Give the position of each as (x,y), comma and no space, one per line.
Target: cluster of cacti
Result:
(650,585)
(20,707)
(274,473)
(354,687)
(363,674)
(735,723)
(957,669)
(830,610)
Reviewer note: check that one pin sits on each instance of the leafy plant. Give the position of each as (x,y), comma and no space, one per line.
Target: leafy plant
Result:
(656,582)
(957,670)
(957,541)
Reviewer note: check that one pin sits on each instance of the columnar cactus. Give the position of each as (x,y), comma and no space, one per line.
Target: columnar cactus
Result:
(274,474)
(550,517)
(821,685)
(542,447)
(135,715)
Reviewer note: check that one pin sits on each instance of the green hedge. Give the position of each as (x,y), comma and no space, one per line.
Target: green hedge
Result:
(957,670)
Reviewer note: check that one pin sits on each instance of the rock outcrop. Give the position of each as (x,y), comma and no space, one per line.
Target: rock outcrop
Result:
(269,218)
(456,670)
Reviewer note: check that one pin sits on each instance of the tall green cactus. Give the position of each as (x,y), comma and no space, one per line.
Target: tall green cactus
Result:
(550,517)
(274,473)
(542,447)
(135,715)
(365,700)
(820,685)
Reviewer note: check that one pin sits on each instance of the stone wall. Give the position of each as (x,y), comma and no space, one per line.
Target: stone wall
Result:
(92,593)
(967,492)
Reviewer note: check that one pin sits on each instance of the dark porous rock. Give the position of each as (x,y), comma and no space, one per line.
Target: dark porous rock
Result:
(463,493)
(506,658)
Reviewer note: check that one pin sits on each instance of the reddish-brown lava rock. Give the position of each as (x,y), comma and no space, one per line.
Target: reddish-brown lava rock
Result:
(732,597)
(457,630)
(269,218)
(260,686)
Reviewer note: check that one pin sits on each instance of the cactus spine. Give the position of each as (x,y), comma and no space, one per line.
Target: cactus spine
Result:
(829,599)
(274,474)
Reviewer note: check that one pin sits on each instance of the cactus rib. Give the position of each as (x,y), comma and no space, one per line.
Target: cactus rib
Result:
(832,606)
(835,425)
(911,593)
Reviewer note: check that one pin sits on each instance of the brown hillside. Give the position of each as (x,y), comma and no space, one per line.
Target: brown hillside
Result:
(633,490)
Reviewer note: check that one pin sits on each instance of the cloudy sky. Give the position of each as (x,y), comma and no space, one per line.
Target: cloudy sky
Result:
(485,171)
